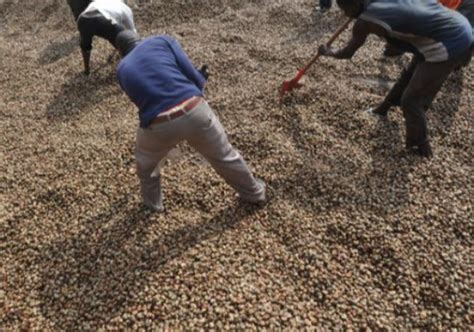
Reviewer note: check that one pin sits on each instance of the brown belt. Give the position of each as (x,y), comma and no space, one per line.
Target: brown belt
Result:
(179,112)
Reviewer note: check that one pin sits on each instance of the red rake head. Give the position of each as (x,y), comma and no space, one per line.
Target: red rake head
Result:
(288,86)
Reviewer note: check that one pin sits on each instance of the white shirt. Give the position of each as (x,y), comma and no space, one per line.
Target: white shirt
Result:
(114,10)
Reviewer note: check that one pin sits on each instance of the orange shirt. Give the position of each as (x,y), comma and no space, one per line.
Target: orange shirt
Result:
(452,4)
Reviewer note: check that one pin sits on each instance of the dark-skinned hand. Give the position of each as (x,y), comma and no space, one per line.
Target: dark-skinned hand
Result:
(323,50)
(204,71)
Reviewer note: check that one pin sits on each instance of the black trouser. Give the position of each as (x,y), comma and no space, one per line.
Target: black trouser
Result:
(415,90)
(325,3)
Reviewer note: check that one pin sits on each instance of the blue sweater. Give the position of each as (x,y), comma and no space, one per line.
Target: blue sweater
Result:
(157,75)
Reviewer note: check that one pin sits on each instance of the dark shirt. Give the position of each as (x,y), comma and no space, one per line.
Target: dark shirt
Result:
(439,34)
(104,18)
(97,26)
(158,75)
(423,27)
(78,6)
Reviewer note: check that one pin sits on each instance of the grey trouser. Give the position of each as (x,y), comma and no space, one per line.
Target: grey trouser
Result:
(415,90)
(201,128)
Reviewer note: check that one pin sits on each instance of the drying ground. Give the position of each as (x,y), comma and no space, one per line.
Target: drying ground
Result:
(357,233)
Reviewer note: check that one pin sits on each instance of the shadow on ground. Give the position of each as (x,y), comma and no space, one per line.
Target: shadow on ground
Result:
(88,280)
(57,50)
(80,93)
(446,105)
(341,171)
(331,181)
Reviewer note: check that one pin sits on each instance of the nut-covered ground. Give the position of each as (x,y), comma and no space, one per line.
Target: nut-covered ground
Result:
(358,233)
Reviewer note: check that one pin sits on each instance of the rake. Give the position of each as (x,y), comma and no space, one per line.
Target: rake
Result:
(289,85)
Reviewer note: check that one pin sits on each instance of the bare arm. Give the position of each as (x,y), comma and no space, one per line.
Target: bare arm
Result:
(86,56)
(362,29)
(86,48)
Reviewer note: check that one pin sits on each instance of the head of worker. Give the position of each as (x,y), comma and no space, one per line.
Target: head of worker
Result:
(126,41)
(352,8)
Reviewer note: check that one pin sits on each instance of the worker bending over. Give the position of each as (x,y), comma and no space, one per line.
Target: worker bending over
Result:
(103,18)
(440,39)
(161,81)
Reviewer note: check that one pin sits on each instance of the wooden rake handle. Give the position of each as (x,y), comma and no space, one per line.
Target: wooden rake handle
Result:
(329,43)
